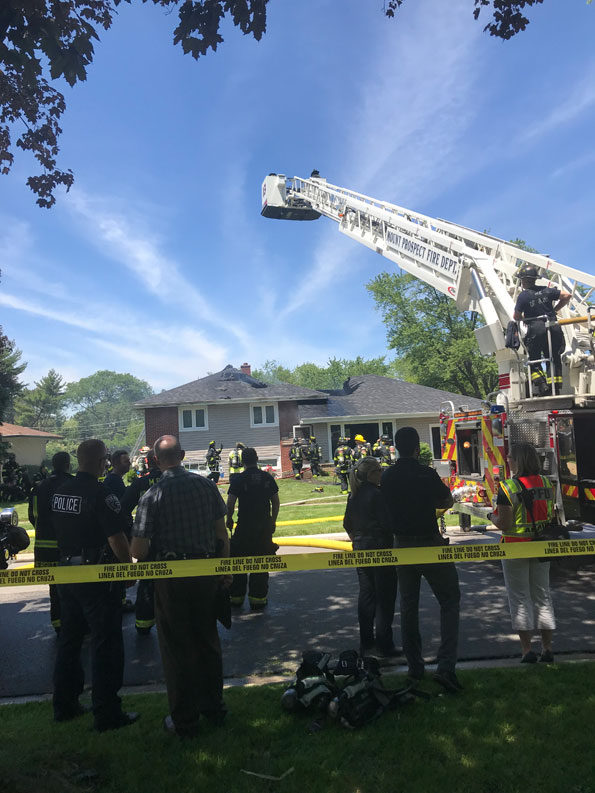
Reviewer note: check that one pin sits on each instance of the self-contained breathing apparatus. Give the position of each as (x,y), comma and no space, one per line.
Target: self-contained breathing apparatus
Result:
(349,691)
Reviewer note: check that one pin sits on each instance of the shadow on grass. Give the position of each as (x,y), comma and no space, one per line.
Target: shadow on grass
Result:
(509,731)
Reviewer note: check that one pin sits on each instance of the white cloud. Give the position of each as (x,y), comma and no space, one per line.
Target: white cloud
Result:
(582,98)
(573,165)
(130,241)
(84,321)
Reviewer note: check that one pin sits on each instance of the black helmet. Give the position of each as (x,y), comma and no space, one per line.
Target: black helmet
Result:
(296,440)
(528,271)
(385,438)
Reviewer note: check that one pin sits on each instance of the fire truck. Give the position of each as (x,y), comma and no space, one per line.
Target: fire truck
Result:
(479,272)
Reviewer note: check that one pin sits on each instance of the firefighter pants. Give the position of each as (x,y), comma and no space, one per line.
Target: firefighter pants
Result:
(97,605)
(342,475)
(247,543)
(145,605)
(537,347)
(214,476)
(315,468)
(444,582)
(297,469)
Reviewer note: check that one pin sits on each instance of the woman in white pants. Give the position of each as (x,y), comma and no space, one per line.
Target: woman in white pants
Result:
(525,505)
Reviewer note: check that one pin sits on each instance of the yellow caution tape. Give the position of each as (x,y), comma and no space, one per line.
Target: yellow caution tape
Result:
(294,562)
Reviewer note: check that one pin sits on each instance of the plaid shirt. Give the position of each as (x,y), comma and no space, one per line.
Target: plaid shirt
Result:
(178,513)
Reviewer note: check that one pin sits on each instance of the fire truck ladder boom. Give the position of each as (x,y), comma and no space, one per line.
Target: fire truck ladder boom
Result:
(475,269)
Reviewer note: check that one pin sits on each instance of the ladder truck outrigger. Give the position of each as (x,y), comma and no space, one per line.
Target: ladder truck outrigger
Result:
(479,272)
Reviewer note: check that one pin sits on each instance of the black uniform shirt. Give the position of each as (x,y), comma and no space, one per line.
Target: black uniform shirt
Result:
(412,492)
(115,484)
(537,301)
(46,545)
(84,514)
(131,496)
(254,489)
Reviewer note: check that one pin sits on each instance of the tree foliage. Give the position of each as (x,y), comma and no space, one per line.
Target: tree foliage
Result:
(434,341)
(329,377)
(44,40)
(10,369)
(42,407)
(103,404)
(507,15)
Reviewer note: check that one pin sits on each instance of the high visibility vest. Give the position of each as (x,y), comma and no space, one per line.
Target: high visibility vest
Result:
(295,454)
(343,458)
(542,505)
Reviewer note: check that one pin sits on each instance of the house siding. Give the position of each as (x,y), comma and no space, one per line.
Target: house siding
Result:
(229,424)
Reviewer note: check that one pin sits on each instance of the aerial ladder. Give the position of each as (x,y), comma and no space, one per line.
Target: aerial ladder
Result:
(479,272)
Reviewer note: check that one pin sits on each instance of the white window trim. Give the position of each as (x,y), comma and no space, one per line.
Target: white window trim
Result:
(263,405)
(181,410)
(437,426)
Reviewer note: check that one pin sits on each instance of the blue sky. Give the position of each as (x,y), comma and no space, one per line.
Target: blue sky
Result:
(158,262)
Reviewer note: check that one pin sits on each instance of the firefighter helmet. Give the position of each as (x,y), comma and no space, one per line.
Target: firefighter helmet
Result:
(144,449)
(211,443)
(385,438)
(359,439)
(528,271)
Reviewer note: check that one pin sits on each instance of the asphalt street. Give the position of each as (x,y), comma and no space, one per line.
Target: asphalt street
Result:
(307,610)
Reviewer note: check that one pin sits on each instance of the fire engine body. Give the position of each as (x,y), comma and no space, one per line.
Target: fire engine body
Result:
(479,271)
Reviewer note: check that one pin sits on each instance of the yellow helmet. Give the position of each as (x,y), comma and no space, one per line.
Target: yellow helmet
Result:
(360,438)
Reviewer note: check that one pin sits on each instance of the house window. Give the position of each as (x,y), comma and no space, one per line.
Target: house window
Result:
(436,441)
(263,416)
(193,418)
(387,429)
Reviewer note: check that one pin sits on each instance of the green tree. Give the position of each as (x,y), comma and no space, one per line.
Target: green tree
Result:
(42,407)
(103,404)
(10,369)
(434,341)
(329,377)
(45,40)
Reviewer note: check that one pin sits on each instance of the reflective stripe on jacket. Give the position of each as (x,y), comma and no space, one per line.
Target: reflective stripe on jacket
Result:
(539,494)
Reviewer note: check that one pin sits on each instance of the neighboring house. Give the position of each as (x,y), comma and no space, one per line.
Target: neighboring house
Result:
(231,406)
(27,445)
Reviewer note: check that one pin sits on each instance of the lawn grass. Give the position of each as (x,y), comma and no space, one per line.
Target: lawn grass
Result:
(509,731)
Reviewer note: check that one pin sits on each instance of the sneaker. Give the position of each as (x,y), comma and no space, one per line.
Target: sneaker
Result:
(170,727)
(123,720)
(448,681)
(529,658)
(546,657)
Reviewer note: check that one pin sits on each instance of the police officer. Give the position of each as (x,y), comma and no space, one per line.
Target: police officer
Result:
(343,459)
(213,461)
(315,457)
(145,592)
(295,456)
(45,549)
(89,527)
(382,451)
(235,461)
(538,301)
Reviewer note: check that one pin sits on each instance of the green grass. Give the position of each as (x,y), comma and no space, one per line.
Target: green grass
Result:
(509,731)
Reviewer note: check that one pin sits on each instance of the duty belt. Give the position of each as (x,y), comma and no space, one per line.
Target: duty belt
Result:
(173,556)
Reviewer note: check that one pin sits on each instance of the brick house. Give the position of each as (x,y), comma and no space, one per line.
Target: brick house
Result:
(231,406)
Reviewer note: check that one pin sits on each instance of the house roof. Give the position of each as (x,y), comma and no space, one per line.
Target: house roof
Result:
(373,395)
(15,431)
(229,384)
